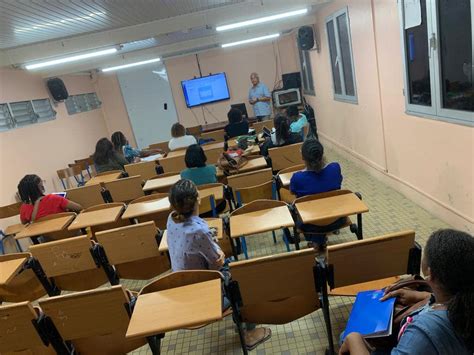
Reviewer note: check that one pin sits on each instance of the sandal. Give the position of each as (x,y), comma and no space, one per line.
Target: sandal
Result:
(266,335)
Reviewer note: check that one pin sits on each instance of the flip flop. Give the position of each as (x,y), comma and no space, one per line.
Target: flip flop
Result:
(266,336)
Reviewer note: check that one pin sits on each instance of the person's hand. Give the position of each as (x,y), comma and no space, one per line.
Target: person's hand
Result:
(221,259)
(355,344)
(406,296)
(253,101)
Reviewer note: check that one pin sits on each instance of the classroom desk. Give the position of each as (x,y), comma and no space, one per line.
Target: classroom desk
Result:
(260,221)
(211,145)
(96,218)
(48,226)
(160,183)
(14,229)
(285,178)
(176,308)
(144,208)
(217,191)
(103,178)
(152,157)
(9,268)
(212,222)
(331,208)
(253,164)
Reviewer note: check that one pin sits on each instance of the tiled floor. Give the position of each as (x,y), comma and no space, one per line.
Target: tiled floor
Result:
(389,211)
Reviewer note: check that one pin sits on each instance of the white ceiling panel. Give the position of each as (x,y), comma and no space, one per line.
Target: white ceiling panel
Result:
(25,22)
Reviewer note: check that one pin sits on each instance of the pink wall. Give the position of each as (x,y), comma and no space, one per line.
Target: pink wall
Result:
(45,147)
(428,160)
(270,60)
(113,106)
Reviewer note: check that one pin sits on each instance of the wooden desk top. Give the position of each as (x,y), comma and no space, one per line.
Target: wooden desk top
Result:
(14,229)
(285,178)
(210,146)
(330,207)
(176,308)
(175,153)
(253,164)
(139,209)
(212,222)
(36,229)
(260,221)
(96,218)
(9,268)
(163,182)
(103,178)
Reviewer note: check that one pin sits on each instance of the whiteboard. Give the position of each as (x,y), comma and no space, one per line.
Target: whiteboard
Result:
(145,91)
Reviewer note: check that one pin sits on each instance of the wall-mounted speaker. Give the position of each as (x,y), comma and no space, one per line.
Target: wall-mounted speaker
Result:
(57,89)
(305,38)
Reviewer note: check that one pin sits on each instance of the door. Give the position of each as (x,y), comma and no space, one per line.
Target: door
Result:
(149,101)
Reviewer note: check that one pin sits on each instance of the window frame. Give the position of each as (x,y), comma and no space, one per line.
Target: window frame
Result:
(436,111)
(91,102)
(344,97)
(306,71)
(35,116)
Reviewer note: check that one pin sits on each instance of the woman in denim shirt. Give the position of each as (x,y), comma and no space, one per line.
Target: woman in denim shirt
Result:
(446,324)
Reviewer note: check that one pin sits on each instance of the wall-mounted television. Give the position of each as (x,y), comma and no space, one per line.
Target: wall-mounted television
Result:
(205,90)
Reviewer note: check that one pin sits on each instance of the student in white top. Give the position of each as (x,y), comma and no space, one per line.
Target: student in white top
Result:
(180,138)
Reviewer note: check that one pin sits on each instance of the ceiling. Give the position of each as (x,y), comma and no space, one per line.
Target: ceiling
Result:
(33,30)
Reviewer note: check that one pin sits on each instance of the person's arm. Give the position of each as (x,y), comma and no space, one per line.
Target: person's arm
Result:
(121,160)
(211,251)
(406,296)
(354,344)
(414,340)
(73,206)
(266,95)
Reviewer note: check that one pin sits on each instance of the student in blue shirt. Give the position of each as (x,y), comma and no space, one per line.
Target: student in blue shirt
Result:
(316,178)
(445,325)
(196,168)
(298,120)
(259,98)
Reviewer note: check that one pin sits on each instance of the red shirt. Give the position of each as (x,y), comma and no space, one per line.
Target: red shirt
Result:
(49,204)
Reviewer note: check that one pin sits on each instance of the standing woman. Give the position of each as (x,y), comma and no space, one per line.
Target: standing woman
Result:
(259,98)
(106,158)
(36,204)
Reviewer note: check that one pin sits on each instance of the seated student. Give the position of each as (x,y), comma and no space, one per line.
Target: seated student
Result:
(36,204)
(445,325)
(122,146)
(196,168)
(237,125)
(298,120)
(191,245)
(106,158)
(316,178)
(180,138)
(280,135)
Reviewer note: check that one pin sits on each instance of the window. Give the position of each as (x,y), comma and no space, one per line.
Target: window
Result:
(306,72)
(438,59)
(82,103)
(23,113)
(340,55)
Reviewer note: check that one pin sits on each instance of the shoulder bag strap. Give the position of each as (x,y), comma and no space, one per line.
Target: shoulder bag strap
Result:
(35,209)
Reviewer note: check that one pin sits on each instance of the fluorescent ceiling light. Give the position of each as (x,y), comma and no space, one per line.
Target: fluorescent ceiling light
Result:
(261,20)
(73,58)
(57,23)
(250,40)
(131,65)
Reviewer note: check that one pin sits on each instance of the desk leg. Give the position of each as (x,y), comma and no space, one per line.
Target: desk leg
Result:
(35,240)
(50,288)
(297,238)
(235,247)
(154,342)
(359,227)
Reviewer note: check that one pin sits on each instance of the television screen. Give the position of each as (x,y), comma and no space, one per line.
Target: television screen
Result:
(204,90)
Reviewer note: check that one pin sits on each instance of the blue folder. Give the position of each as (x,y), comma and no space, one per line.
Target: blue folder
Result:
(369,316)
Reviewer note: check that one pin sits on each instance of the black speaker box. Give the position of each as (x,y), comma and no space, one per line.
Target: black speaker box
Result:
(291,80)
(305,38)
(57,89)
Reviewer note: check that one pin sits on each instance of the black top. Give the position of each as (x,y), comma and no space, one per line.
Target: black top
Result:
(292,139)
(237,129)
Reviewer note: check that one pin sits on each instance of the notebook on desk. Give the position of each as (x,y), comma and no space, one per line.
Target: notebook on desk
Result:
(369,316)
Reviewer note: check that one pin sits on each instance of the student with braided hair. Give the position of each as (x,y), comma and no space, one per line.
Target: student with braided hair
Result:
(191,245)
(36,204)
(445,324)
(316,178)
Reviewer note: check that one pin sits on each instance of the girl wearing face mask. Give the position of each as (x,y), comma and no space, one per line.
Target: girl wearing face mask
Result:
(36,204)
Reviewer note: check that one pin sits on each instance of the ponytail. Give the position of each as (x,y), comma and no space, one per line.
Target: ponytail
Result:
(183,197)
(461,315)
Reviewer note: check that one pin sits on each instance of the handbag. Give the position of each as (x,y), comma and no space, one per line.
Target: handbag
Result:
(231,164)
(400,312)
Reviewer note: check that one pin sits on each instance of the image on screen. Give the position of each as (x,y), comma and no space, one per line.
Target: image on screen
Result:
(204,90)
